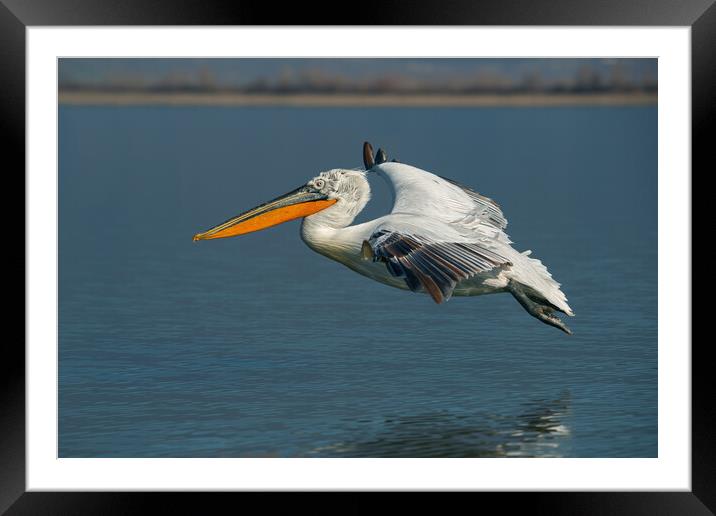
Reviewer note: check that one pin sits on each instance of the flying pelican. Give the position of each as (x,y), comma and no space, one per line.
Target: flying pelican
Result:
(441,238)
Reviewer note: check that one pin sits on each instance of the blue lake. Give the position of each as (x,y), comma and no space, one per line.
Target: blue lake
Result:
(257,347)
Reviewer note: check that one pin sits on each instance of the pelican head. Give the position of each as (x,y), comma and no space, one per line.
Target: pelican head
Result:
(335,197)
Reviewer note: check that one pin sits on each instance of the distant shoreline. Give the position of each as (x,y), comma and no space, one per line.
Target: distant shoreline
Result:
(354,100)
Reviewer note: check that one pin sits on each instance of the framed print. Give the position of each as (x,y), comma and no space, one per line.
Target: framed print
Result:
(161,355)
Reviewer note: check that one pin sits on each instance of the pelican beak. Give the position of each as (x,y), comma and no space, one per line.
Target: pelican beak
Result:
(299,203)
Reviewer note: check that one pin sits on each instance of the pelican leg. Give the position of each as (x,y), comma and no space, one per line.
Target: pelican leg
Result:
(543,312)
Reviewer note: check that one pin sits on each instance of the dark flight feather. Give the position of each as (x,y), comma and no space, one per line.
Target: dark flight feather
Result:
(435,267)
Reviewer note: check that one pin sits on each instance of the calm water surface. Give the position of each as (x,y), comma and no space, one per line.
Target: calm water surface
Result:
(258,347)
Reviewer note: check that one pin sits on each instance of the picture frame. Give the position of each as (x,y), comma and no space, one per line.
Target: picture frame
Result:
(15,16)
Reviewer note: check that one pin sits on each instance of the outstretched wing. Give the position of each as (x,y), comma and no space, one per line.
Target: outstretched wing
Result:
(423,193)
(486,210)
(428,264)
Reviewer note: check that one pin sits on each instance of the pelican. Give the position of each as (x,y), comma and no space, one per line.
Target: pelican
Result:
(440,238)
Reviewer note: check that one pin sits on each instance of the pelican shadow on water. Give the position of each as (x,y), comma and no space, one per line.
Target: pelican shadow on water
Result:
(440,238)
(541,429)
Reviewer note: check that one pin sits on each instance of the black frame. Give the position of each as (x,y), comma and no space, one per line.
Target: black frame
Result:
(15,15)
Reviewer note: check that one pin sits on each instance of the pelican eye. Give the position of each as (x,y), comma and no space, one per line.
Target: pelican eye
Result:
(319,183)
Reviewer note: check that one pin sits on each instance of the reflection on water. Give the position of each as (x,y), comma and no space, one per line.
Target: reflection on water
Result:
(539,431)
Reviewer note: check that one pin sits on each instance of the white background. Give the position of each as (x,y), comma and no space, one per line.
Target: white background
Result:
(671,470)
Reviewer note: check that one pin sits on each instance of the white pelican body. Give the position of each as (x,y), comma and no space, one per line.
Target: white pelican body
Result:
(440,238)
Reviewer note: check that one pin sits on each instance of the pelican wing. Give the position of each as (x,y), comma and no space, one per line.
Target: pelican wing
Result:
(429,264)
(423,193)
(486,210)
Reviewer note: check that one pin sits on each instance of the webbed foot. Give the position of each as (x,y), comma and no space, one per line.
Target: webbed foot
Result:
(536,309)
